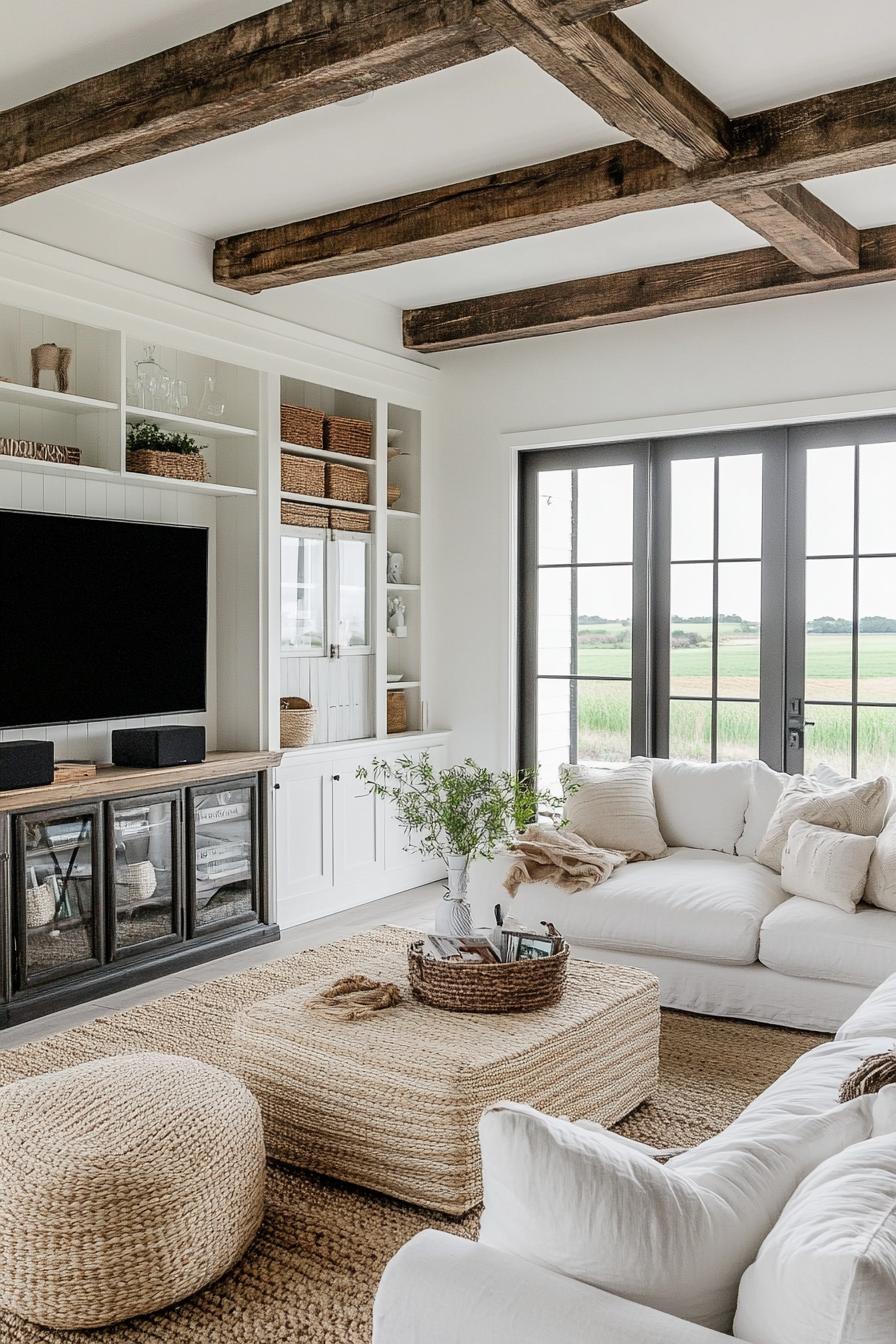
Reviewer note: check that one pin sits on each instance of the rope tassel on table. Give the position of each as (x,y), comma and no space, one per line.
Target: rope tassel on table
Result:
(354,998)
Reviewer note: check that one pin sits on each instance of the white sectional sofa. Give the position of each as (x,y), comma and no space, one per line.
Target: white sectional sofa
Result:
(711,923)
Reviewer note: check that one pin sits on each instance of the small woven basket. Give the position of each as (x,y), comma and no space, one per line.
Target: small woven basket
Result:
(396,712)
(175,466)
(349,520)
(40,905)
(349,483)
(301,475)
(502,987)
(302,515)
(302,425)
(296,722)
(344,435)
(393,495)
(141,881)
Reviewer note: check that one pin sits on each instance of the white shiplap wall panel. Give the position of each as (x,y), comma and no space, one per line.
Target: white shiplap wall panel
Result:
(340,691)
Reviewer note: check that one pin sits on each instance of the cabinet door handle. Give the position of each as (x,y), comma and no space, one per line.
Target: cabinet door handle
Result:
(335,779)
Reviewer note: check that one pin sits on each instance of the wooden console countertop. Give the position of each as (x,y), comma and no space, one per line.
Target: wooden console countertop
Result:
(112,780)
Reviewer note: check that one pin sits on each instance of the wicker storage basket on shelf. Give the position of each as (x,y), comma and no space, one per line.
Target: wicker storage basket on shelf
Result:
(296,722)
(503,987)
(302,515)
(302,425)
(40,905)
(344,435)
(396,712)
(301,475)
(349,520)
(176,466)
(393,495)
(349,483)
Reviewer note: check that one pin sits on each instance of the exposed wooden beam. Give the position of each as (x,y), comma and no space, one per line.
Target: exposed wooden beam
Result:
(297,56)
(573,10)
(608,66)
(801,226)
(632,296)
(817,137)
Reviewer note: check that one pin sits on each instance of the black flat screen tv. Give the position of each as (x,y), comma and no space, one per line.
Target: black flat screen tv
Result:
(100,619)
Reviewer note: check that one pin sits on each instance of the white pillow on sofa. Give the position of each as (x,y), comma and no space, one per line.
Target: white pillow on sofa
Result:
(701,806)
(613,808)
(826,1273)
(676,1237)
(880,889)
(858,809)
(826,865)
(766,787)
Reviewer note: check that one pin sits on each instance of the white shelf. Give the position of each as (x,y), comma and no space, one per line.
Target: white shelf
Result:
(402,685)
(120,477)
(58,468)
(168,483)
(206,429)
(327,503)
(328,456)
(42,400)
(403,587)
(402,513)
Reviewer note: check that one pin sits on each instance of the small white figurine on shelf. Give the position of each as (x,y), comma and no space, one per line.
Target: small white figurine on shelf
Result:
(397,613)
(394,566)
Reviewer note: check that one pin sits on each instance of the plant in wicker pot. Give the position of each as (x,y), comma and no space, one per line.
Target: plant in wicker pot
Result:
(152,452)
(459,814)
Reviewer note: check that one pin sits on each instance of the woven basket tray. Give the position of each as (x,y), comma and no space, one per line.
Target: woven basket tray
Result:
(506,987)
(345,435)
(349,520)
(296,722)
(176,466)
(349,483)
(302,425)
(301,475)
(302,515)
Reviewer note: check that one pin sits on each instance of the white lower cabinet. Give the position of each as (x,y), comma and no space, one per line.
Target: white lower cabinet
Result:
(337,845)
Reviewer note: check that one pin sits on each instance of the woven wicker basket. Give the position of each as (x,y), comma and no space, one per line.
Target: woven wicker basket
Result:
(349,483)
(40,905)
(503,987)
(393,495)
(301,475)
(296,722)
(176,466)
(349,520)
(345,435)
(302,515)
(302,425)
(396,712)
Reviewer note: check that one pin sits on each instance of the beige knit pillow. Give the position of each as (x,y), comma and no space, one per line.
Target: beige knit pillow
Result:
(614,808)
(859,809)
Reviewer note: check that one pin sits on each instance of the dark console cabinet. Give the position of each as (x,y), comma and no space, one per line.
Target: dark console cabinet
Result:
(130,875)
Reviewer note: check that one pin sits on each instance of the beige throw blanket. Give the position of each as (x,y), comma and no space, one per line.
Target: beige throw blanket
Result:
(543,854)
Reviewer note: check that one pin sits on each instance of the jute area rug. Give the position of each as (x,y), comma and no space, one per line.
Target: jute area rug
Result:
(311,1275)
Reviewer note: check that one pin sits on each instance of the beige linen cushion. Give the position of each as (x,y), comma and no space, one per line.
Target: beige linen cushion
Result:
(826,865)
(859,809)
(880,889)
(613,808)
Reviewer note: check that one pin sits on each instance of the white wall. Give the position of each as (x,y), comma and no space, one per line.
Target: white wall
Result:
(818,346)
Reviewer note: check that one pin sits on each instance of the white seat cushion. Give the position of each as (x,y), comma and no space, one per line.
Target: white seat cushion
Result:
(701,806)
(809,939)
(693,903)
(875,1017)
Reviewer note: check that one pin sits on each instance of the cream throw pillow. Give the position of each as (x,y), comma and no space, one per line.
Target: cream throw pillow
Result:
(825,865)
(613,808)
(880,889)
(859,810)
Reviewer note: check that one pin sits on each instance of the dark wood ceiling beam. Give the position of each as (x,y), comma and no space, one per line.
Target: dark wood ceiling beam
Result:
(571,11)
(633,296)
(801,226)
(297,56)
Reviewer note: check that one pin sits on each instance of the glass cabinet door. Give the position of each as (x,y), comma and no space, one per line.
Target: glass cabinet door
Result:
(142,872)
(223,858)
(58,877)
(351,623)
(302,593)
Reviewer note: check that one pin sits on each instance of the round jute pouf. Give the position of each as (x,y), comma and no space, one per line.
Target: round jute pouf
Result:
(125,1185)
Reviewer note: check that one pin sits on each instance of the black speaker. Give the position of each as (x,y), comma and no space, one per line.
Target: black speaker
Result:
(25,765)
(154,747)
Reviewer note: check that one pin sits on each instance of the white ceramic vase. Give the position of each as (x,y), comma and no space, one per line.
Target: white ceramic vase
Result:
(453,915)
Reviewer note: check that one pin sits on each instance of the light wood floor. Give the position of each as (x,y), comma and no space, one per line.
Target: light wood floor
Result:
(409,909)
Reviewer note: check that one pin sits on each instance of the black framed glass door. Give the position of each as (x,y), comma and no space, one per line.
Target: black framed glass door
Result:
(143,870)
(58,867)
(222,855)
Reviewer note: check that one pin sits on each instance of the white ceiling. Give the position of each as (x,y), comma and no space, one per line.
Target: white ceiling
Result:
(498,112)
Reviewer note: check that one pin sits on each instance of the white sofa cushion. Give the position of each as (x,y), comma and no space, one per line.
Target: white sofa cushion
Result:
(826,1273)
(826,865)
(613,808)
(693,903)
(766,787)
(701,806)
(875,1016)
(859,809)
(808,939)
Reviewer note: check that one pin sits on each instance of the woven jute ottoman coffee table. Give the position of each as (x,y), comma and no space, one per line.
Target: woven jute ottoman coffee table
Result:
(392,1102)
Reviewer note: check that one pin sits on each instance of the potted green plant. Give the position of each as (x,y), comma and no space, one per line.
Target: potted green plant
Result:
(459,814)
(153,452)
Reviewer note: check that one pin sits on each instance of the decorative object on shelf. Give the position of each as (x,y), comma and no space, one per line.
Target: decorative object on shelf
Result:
(40,902)
(151,378)
(342,434)
(349,483)
(393,436)
(297,718)
(302,425)
(40,452)
(393,452)
(140,881)
(153,452)
(53,358)
(349,520)
(500,987)
(396,712)
(211,406)
(393,495)
(394,676)
(180,397)
(303,515)
(302,475)
(459,814)
(397,618)
(394,566)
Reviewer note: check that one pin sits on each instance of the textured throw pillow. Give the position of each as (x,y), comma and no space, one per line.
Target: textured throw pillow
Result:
(859,809)
(880,889)
(826,1273)
(701,806)
(766,787)
(613,808)
(826,865)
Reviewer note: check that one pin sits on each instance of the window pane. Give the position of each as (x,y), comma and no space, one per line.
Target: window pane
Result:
(877,491)
(693,508)
(552,709)
(605,520)
(352,625)
(740,506)
(605,720)
(830,739)
(301,594)
(876,742)
(605,621)
(737,732)
(740,603)
(690,630)
(829,629)
(877,630)
(690,730)
(829,492)
(554,517)
(554,618)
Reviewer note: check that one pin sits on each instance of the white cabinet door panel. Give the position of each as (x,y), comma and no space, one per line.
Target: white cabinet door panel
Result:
(357,828)
(304,831)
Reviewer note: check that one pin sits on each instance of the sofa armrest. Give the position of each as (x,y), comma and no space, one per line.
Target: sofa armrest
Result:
(441,1289)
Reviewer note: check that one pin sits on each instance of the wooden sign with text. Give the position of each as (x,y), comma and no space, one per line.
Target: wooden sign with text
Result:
(40,452)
